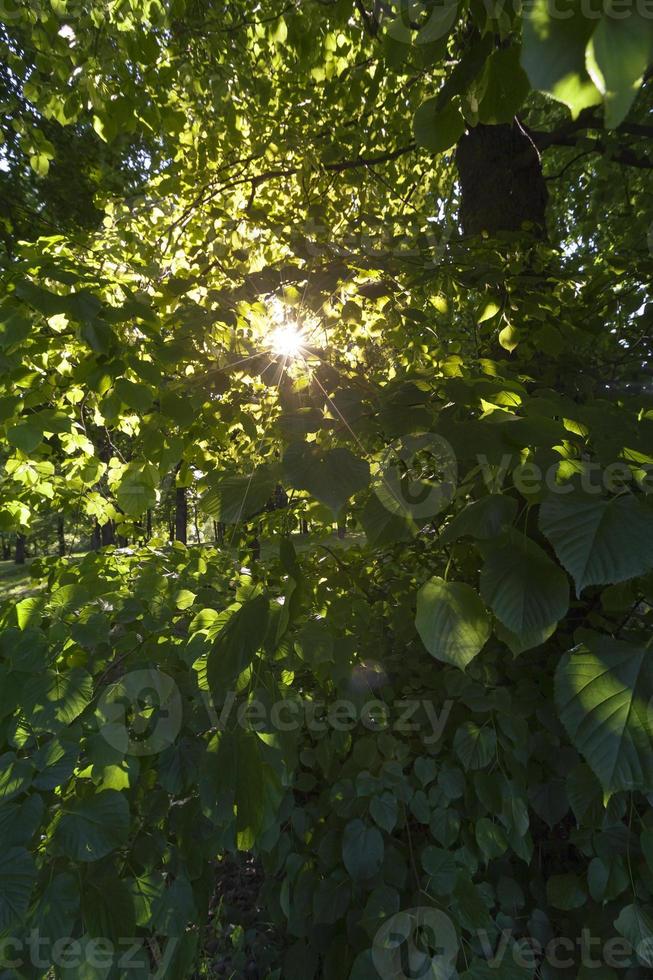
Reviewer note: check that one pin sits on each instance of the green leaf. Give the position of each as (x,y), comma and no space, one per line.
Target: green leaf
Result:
(475,747)
(362,850)
(509,337)
(20,821)
(635,924)
(553,52)
(490,838)
(566,892)
(137,490)
(383,527)
(331,899)
(184,598)
(134,395)
(384,811)
(58,907)
(523,587)
(436,129)
(483,519)
(27,435)
(236,644)
(515,965)
(57,699)
(451,621)
(239,773)
(56,761)
(599,541)
(146,889)
(174,908)
(332,477)
(618,54)
(468,904)
(108,906)
(231,499)
(603,692)
(15,776)
(17,878)
(549,801)
(519,642)
(441,868)
(441,18)
(89,829)
(506,87)
(40,164)
(381,905)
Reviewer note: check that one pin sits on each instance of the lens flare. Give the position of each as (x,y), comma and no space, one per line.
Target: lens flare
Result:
(286,340)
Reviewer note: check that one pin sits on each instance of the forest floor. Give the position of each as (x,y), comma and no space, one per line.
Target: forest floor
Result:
(239,944)
(15,581)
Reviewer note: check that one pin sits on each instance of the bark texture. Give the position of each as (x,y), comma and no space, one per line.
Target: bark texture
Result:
(501,181)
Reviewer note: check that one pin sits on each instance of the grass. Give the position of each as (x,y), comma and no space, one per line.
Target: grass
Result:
(15,581)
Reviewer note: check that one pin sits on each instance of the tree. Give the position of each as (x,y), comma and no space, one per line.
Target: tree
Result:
(444,211)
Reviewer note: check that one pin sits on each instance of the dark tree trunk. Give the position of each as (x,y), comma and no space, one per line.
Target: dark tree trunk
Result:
(148,526)
(61,536)
(6,549)
(19,556)
(501,181)
(342,530)
(304,526)
(181,515)
(108,533)
(96,537)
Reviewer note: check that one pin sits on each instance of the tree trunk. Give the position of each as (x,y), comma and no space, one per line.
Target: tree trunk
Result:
(96,538)
(61,536)
(108,533)
(181,515)
(197,527)
(148,526)
(501,181)
(19,556)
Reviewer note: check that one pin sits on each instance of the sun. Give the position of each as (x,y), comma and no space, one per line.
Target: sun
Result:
(286,340)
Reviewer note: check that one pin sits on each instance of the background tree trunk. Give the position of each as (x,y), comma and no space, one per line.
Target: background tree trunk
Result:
(108,533)
(96,538)
(61,536)
(501,181)
(181,515)
(19,556)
